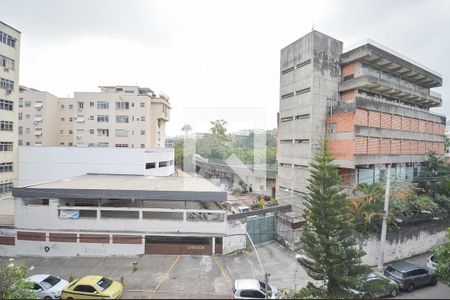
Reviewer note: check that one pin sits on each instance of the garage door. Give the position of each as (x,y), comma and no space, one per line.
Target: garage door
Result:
(171,245)
(261,229)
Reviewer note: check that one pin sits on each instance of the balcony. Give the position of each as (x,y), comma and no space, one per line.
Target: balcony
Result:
(38,120)
(80,120)
(391,89)
(38,105)
(38,133)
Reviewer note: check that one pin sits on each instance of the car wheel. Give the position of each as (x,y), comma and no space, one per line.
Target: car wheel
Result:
(394,293)
(434,282)
(48,298)
(410,287)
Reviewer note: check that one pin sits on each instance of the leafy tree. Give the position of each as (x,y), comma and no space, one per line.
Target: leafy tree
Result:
(331,253)
(443,260)
(433,168)
(219,129)
(365,206)
(186,128)
(13,284)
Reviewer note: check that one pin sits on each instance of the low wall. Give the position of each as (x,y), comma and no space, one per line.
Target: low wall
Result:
(405,242)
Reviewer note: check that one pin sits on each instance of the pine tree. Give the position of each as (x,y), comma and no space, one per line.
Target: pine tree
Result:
(331,255)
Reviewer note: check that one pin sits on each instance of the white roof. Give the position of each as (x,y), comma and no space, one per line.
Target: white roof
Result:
(246,284)
(37,278)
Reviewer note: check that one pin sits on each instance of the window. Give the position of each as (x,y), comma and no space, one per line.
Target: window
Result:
(303,91)
(27,130)
(121,132)
(6,187)
(6,105)
(287,70)
(70,106)
(142,146)
(348,77)
(102,119)
(20,103)
(61,131)
(91,131)
(163,164)
(6,62)
(20,116)
(6,146)
(285,96)
(80,131)
(27,144)
(121,119)
(129,92)
(92,118)
(62,144)
(121,145)
(6,125)
(27,116)
(70,119)
(6,167)
(122,105)
(142,118)
(285,141)
(27,103)
(63,119)
(20,130)
(332,127)
(300,117)
(142,104)
(84,289)
(6,84)
(102,105)
(20,142)
(7,39)
(91,145)
(62,106)
(150,165)
(103,132)
(80,105)
(38,143)
(70,132)
(287,119)
(102,144)
(252,294)
(142,132)
(91,104)
(301,141)
(70,144)
(304,63)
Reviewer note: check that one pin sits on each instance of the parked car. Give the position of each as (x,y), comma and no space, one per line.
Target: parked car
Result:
(409,276)
(415,218)
(47,286)
(431,262)
(376,286)
(93,287)
(240,209)
(253,289)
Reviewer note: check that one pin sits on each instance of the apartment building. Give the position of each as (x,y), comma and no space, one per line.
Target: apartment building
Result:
(9,94)
(117,116)
(371,102)
(38,114)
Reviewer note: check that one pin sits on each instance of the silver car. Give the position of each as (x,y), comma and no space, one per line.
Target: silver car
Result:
(47,286)
(253,289)
(432,262)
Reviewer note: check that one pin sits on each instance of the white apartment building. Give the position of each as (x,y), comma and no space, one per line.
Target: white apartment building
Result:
(9,93)
(117,116)
(38,114)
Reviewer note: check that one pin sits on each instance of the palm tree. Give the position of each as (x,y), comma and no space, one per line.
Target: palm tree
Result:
(186,128)
(365,204)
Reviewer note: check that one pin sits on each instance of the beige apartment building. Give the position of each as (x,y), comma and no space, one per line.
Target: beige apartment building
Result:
(9,92)
(117,116)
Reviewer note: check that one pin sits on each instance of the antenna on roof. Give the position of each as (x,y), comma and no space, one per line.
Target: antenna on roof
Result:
(312,27)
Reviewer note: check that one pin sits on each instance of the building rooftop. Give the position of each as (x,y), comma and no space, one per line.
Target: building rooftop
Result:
(99,186)
(380,56)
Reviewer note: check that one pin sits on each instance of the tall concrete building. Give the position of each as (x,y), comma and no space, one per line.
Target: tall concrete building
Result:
(9,93)
(372,103)
(117,116)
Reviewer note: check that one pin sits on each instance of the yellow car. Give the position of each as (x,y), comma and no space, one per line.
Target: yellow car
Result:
(93,287)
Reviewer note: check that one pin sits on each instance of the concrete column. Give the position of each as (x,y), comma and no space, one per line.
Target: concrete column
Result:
(184,216)
(141,213)
(213,245)
(98,214)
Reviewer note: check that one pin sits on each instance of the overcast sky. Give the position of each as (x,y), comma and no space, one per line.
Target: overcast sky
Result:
(215,59)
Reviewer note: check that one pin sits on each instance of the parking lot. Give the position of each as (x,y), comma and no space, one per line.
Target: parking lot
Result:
(171,276)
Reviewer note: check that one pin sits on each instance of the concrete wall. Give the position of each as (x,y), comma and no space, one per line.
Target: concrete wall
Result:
(236,238)
(309,76)
(44,164)
(404,243)
(25,218)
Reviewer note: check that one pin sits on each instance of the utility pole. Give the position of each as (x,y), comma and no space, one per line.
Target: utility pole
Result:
(385,216)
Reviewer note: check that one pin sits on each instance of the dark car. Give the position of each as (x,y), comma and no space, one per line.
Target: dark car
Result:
(416,218)
(409,276)
(375,286)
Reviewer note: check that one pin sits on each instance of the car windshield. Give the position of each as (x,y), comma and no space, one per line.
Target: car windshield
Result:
(433,258)
(49,282)
(104,283)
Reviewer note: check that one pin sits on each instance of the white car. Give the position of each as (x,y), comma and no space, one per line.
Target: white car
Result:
(47,286)
(253,289)
(431,262)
